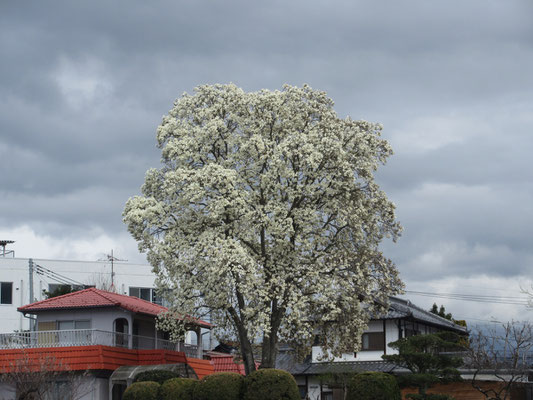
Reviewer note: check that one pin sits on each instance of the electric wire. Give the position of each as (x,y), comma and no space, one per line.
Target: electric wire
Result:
(510,300)
(54,275)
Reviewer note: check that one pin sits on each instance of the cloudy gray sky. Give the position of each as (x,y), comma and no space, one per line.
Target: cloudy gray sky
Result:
(84,85)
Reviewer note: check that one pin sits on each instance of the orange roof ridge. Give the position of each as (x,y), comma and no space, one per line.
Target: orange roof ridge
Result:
(96,298)
(54,299)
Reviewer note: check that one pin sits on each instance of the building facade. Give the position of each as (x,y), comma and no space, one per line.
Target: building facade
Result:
(95,342)
(23,281)
(402,319)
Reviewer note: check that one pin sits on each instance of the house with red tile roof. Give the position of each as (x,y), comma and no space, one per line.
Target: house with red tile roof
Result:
(98,332)
(223,362)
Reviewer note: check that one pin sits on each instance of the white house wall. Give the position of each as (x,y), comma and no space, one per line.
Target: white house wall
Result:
(83,388)
(391,335)
(313,388)
(16,270)
(101,318)
(7,391)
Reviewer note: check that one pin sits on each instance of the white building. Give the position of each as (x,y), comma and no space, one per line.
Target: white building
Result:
(16,277)
(403,319)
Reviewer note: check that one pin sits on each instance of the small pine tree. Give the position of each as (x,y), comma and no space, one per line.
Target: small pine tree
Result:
(60,291)
(429,360)
(441,312)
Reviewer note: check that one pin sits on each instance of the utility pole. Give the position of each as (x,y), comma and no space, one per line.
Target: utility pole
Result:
(30,268)
(112,258)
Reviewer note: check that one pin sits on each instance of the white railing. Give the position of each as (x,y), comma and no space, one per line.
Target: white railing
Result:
(89,337)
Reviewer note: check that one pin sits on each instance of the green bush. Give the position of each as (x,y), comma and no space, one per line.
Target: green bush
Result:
(178,389)
(142,391)
(219,386)
(429,397)
(373,386)
(155,375)
(270,384)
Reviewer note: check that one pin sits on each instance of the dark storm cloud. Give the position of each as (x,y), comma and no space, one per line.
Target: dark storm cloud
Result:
(84,86)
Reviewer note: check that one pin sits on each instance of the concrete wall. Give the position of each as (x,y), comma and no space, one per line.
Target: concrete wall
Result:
(7,391)
(79,388)
(93,389)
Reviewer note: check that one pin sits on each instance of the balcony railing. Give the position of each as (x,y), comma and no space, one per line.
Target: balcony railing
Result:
(90,337)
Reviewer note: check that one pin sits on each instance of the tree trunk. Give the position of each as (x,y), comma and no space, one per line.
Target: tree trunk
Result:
(269,351)
(270,342)
(245,344)
(247,354)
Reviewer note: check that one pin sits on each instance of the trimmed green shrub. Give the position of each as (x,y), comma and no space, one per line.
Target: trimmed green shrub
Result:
(156,375)
(178,389)
(219,386)
(373,386)
(270,384)
(429,397)
(142,391)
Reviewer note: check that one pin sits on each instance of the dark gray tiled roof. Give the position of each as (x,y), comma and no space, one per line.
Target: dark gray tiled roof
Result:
(286,360)
(349,367)
(400,308)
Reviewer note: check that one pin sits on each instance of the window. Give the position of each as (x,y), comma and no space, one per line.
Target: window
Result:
(411,328)
(373,341)
(67,325)
(148,294)
(6,292)
(303,391)
(61,390)
(74,333)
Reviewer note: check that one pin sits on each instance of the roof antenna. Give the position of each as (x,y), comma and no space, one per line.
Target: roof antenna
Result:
(3,251)
(112,258)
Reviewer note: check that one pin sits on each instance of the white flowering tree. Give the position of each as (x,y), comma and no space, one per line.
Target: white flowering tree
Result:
(265,213)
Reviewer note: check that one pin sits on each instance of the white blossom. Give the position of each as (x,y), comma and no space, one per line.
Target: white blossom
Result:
(265,213)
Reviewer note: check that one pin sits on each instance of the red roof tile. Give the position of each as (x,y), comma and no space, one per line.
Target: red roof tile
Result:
(76,358)
(226,363)
(96,298)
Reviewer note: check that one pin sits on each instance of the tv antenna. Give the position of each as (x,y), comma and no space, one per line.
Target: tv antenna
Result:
(3,251)
(112,258)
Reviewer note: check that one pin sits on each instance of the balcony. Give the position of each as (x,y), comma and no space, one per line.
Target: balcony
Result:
(90,337)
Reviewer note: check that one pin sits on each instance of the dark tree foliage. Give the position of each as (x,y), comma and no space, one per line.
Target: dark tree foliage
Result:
(219,386)
(373,386)
(269,383)
(431,359)
(441,312)
(142,391)
(178,389)
(60,291)
(156,375)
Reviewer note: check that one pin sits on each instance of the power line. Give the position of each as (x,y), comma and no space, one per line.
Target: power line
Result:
(54,275)
(511,300)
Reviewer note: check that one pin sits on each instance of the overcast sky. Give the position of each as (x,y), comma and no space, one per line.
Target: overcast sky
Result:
(84,85)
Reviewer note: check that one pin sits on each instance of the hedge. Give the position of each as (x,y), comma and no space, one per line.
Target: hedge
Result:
(142,391)
(178,389)
(270,384)
(433,396)
(219,386)
(156,375)
(373,386)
